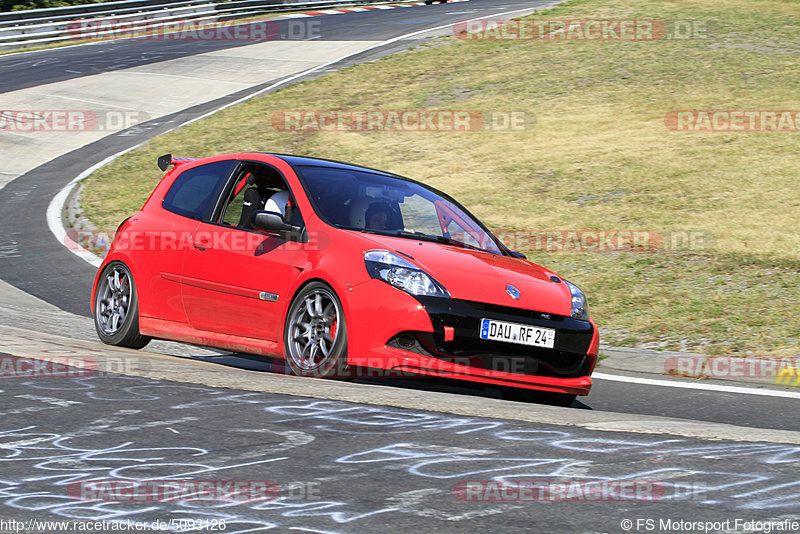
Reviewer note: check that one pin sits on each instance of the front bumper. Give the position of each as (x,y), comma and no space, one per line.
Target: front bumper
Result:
(441,337)
(455,341)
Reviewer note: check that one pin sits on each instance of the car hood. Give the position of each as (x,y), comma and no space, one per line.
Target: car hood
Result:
(483,277)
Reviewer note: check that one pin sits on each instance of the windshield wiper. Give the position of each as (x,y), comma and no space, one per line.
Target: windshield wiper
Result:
(461,244)
(420,235)
(436,238)
(400,233)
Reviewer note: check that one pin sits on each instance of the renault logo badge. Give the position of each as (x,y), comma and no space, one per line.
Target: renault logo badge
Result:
(513,291)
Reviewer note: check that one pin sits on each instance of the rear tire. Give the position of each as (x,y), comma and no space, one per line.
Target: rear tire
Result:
(116,308)
(315,334)
(539,397)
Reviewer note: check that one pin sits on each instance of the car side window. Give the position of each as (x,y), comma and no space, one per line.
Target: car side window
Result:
(258,187)
(194,190)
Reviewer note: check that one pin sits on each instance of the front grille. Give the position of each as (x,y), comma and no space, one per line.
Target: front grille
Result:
(513,312)
(567,359)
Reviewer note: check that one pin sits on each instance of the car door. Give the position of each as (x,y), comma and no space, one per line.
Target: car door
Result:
(237,280)
(163,235)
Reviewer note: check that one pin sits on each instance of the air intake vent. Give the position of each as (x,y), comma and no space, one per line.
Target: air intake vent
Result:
(405,341)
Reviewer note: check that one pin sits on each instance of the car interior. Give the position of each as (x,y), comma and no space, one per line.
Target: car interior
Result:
(258,187)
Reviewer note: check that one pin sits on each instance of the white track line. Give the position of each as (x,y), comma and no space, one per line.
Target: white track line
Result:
(692,385)
(54,209)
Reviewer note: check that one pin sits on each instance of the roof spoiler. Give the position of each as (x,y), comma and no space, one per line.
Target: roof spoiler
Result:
(166,160)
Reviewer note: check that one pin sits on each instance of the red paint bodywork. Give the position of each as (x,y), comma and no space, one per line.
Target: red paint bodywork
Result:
(211,296)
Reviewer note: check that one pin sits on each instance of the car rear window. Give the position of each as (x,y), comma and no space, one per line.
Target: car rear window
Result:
(194,190)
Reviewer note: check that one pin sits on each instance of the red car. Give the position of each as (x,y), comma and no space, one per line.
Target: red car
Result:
(337,267)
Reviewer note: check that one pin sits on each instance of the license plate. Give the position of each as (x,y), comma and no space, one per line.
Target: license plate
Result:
(521,334)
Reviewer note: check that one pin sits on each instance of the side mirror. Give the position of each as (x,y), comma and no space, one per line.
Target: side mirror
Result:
(274,223)
(519,255)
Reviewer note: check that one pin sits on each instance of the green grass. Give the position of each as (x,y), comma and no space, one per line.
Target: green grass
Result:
(599,158)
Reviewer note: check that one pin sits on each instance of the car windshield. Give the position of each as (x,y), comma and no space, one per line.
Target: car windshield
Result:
(375,203)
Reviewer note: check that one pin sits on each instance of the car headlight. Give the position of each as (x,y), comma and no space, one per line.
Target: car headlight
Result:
(402,274)
(580,308)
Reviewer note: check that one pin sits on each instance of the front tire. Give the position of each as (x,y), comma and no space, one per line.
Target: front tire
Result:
(315,335)
(116,308)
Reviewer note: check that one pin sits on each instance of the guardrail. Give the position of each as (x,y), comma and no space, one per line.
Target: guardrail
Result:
(40,27)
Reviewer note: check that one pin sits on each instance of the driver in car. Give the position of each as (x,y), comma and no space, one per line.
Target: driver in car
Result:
(377,216)
(258,198)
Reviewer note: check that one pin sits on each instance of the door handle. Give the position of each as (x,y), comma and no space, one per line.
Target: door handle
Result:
(202,246)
